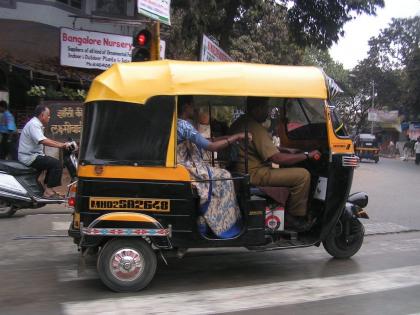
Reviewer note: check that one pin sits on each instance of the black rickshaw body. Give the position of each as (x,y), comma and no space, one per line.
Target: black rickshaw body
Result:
(130,186)
(367,147)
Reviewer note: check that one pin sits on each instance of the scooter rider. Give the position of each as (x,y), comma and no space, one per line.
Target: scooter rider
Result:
(31,150)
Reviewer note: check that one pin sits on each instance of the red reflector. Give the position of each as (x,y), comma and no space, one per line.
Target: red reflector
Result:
(141,39)
(71,202)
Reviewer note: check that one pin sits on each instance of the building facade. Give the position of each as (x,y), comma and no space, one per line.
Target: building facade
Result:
(30,43)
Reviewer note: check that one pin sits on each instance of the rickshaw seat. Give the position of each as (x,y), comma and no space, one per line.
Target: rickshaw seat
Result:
(278,194)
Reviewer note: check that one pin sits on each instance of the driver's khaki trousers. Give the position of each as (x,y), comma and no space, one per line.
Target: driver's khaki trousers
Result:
(297,179)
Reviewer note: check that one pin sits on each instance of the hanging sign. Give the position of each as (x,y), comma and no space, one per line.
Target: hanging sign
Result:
(212,52)
(93,50)
(156,9)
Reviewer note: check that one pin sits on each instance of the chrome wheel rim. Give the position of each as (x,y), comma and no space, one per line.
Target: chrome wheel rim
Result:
(126,264)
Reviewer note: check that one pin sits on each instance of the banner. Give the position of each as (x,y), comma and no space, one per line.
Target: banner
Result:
(65,121)
(383,116)
(212,52)
(93,50)
(156,9)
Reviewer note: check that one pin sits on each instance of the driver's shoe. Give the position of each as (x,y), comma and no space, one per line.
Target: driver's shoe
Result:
(297,224)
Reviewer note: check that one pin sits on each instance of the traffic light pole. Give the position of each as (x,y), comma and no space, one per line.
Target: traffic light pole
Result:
(155,49)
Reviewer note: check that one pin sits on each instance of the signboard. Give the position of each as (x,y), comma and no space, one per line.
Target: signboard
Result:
(383,116)
(93,50)
(212,52)
(156,9)
(65,121)
(414,130)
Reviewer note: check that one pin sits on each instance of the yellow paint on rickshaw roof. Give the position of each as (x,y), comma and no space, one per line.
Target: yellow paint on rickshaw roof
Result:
(136,82)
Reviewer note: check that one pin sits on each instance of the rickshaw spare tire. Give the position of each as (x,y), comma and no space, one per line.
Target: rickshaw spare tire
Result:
(336,244)
(126,264)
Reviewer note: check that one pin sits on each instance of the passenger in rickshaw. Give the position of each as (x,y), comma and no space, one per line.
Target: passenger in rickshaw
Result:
(262,153)
(218,204)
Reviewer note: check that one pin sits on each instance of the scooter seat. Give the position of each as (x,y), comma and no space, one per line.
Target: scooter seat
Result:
(16,168)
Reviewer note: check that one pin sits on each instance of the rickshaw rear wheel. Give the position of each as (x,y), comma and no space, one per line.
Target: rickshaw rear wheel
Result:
(6,209)
(126,265)
(342,246)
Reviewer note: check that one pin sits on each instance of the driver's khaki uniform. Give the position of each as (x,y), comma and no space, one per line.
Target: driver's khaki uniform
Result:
(260,149)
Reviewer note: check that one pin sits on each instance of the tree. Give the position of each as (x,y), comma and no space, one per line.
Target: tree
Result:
(393,64)
(320,23)
(311,22)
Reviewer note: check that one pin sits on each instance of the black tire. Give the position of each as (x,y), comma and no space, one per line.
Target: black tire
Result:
(376,160)
(120,250)
(6,209)
(337,246)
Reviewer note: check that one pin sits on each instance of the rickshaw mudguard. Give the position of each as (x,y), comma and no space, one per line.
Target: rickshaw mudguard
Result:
(339,185)
(126,224)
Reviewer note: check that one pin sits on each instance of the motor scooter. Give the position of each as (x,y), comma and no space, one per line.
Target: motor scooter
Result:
(20,188)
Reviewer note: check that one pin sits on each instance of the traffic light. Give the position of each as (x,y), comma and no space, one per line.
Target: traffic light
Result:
(142,43)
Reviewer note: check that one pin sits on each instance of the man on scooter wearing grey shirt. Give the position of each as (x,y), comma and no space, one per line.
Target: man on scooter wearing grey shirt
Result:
(31,151)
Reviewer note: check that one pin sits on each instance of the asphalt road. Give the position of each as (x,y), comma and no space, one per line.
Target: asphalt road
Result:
(40,275)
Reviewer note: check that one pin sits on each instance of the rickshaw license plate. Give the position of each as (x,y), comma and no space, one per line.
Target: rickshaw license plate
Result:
(110,203)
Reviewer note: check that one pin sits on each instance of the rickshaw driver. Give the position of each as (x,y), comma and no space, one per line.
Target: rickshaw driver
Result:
(262,152)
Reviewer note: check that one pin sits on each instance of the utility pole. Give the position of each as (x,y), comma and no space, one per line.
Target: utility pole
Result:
(373,104)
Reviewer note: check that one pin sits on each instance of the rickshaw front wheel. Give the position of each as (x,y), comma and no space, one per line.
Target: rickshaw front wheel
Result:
(340,244)
(126,265)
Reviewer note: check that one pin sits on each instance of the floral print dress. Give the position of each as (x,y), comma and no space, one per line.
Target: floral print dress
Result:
(218,204)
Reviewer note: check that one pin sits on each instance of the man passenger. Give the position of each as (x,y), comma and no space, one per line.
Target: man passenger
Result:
(262,152)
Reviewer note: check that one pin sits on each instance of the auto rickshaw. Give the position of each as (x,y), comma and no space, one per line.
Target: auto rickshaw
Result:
(133,202)
(366,147)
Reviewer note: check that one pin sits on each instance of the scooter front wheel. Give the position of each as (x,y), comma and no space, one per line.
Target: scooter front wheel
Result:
(6,209)
(340,244)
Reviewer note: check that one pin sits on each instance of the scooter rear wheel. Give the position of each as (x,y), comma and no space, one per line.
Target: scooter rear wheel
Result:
(342,246)
(6,209)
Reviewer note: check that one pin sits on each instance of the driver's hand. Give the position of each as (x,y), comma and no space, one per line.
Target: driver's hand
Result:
(314,155)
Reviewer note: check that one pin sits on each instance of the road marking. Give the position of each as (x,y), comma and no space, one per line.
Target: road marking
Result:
(252,297)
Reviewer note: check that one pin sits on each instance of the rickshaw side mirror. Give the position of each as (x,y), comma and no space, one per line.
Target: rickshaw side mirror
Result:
(359,199)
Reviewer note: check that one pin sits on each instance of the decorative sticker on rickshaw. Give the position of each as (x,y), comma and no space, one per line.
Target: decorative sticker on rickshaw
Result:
(145,204)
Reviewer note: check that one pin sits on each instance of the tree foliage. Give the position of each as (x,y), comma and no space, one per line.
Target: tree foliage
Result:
(393,65)
(263,30)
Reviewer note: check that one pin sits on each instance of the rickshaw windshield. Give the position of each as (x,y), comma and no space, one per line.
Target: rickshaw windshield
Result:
(120,133)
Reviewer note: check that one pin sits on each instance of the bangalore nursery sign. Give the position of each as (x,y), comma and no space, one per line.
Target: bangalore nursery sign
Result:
(93,50)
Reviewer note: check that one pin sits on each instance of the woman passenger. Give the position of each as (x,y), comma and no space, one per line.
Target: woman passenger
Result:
(218,205)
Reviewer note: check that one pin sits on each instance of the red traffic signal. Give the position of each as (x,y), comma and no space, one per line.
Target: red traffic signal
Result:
(143,38)
(142,46)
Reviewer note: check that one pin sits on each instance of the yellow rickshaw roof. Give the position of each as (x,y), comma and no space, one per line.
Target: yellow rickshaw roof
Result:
(136,82)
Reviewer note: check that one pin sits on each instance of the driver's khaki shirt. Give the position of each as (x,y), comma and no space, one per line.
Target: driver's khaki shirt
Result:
(260,149)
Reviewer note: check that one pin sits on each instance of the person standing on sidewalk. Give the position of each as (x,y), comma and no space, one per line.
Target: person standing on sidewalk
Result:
(417,150)
(7,129)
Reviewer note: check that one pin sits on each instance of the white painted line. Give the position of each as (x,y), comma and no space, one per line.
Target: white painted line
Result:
(60,226)
(251,297)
